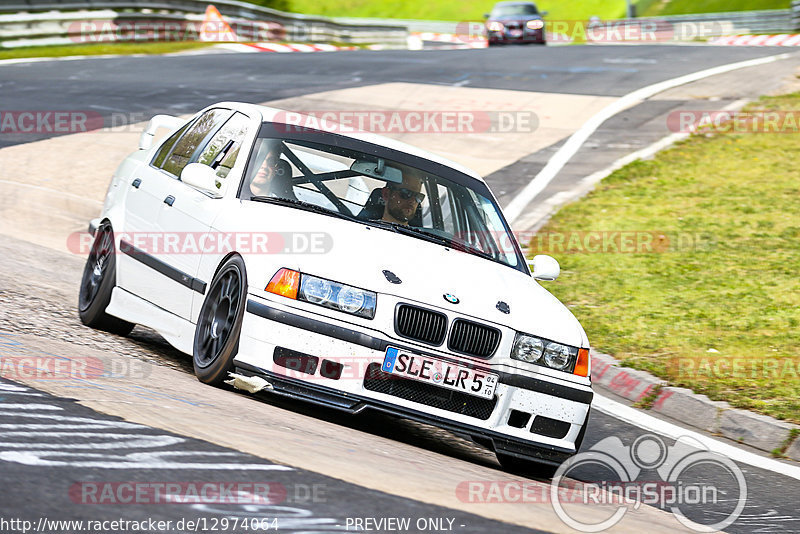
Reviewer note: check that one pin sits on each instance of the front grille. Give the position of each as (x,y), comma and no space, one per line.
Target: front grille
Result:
(473,339)
(420,324)
(428,394)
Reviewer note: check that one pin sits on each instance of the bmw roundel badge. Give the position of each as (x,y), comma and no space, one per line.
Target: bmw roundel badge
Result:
(452,299)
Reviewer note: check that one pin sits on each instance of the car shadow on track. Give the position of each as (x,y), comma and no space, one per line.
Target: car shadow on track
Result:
(376,423)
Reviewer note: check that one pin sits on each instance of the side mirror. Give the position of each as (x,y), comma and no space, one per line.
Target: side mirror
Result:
(203,178)
(543,13)
(544,267)
(486,15)
(159,121)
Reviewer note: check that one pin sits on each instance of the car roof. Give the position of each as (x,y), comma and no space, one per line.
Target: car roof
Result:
(513,3)
(270,114)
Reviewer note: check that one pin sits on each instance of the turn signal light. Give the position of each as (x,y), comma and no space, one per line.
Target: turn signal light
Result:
(286,282)
(582,365)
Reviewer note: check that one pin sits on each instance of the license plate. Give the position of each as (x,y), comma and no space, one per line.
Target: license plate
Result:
(443,374)
(515,33)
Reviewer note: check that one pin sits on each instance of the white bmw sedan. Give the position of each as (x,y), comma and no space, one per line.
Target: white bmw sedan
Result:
(340,268)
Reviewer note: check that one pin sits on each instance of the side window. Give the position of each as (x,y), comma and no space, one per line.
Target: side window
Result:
(165,149)
(220,153)
(185,148)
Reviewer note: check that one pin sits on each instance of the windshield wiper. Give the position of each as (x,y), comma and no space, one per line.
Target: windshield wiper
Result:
(455,244)
(416,232)
(470,249)
(304,205)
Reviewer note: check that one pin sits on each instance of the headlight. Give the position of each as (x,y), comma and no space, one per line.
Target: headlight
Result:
(337,296)
(557,356)
(317,290)
(528,349)
(322,292)
(535,24)
(495,26)
(351,300)
(531,349)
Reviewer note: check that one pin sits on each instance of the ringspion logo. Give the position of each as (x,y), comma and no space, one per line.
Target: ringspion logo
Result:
(705,491)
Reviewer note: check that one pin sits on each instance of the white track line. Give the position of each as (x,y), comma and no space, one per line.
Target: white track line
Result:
(28,407)
(534,218)
(648,422)
(515,208)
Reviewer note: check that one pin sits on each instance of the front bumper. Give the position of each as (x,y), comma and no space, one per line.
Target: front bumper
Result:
(321,345)
(526,36)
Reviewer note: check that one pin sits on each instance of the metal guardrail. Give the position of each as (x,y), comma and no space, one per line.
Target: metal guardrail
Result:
(796,14)
(732,23)
(31,22)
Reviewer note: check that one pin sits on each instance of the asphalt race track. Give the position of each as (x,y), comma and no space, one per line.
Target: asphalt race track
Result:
(296,468)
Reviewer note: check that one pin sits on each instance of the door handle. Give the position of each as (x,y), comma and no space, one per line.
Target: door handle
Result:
(136,183)
(169,200)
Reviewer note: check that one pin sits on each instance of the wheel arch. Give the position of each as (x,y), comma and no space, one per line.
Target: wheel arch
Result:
(208,278)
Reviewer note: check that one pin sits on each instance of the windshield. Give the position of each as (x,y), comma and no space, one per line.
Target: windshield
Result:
(512,10)
(380,192)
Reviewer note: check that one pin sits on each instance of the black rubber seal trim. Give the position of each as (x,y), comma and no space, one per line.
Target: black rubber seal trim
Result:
(159,266)
(548,388)
(313,325)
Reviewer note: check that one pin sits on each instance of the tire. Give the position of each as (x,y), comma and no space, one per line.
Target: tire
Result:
(98,280)
(518,466)
(216,337)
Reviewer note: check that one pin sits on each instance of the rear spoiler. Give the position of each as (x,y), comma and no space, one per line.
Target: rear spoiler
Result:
(159,121)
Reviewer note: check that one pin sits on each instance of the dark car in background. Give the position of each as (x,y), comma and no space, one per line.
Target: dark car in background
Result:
(515,22)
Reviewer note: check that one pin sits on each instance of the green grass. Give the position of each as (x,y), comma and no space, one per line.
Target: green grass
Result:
(466,10)
(461,10)
(656,8)
(731,286)
(99,49)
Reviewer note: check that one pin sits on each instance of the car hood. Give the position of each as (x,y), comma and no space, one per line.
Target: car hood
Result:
(357,254)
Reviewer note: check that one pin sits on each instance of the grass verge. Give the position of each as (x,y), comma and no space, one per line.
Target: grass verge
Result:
(99,49)
(660,8)
(466,10)
(463,10)
(711,300)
